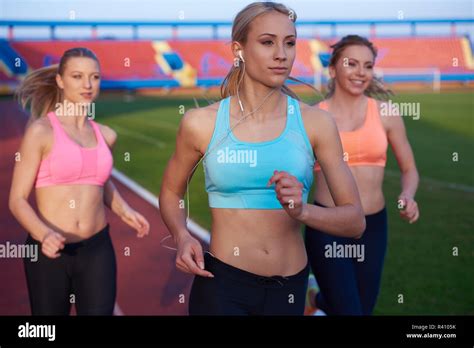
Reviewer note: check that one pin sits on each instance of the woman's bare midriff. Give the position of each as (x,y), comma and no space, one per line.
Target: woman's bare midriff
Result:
(75,211)
(263,242)
(369,180)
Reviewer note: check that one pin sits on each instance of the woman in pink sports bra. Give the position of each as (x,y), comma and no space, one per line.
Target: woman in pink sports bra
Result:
(349,283)
(67,158)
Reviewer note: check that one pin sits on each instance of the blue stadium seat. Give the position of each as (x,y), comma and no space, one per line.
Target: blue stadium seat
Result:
(12,60)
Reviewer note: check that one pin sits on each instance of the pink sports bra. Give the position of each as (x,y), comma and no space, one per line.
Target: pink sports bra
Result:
(68,163)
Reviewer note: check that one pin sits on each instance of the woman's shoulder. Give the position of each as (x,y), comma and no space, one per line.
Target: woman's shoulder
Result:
(200,119)
(197,126)
(38,134)
(39,128)
(384,108)
(203,111)
(313,115)
(110,136)
(316,120)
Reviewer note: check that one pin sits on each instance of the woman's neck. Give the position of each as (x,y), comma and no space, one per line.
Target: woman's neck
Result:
(262,100)
(76,121)
(346,101)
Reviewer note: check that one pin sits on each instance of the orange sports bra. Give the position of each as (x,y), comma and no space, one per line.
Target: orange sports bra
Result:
(367,145)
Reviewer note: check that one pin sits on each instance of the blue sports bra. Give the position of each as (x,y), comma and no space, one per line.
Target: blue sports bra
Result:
(237,172)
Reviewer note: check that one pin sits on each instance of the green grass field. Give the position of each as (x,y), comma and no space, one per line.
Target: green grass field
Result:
(420,264)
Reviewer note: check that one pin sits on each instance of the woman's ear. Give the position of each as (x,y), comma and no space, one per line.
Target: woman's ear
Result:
(59,81)
(332,71)
(236,48)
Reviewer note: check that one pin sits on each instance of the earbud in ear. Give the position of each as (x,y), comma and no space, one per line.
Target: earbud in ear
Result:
(240,55)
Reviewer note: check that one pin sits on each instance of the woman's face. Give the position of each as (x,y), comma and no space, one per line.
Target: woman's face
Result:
(80,80)
(269,51)
(353,71)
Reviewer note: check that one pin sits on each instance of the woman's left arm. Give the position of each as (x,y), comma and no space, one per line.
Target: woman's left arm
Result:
(346,219)
(114,201)
(401,148)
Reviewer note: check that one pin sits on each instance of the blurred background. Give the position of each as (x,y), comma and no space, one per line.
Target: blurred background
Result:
(160,58)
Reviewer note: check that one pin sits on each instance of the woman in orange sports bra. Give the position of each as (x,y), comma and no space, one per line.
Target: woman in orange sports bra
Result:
(348,271)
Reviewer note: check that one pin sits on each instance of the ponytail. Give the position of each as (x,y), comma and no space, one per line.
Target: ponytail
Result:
(40,91)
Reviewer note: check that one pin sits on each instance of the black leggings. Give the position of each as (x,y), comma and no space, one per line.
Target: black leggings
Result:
(84,274)
(349,285)
(233,291)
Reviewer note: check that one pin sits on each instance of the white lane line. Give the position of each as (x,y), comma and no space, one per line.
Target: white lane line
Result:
(193,227)
(435,182)
(139,136)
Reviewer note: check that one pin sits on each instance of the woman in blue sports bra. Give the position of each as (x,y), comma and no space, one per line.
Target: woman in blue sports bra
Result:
(258,147)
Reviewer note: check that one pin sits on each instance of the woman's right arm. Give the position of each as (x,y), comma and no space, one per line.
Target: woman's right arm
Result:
(24,175)
(187,154)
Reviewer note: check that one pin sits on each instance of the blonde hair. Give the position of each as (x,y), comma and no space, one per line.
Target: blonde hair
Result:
(40,90)
(240,30)
(376,88)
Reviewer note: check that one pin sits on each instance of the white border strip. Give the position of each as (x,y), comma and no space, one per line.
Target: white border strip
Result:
(193,227)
